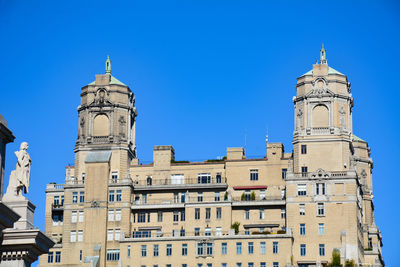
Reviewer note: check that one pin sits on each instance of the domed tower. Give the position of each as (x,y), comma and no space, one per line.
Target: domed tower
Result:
(323,119)
(107,119)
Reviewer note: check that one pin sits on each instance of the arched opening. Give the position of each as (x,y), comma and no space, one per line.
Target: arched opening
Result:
(320,116)
(101,125)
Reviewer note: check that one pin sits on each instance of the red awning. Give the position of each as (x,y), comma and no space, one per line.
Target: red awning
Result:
(250,187)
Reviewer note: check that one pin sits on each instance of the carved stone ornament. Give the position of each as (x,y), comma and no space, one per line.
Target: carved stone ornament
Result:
(94,204)
(320,87)
(320,173)
(342,120)
(364,173)
(122,122)
(299,118)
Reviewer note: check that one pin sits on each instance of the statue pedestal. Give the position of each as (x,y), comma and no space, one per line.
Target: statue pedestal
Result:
(23,207)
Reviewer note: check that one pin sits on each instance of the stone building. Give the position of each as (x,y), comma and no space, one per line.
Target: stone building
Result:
(285,209)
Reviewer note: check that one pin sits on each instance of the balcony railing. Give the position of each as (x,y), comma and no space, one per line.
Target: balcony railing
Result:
(185,181)
(100,139)
(322,174)
(204,234)
(57,206)
(55,186)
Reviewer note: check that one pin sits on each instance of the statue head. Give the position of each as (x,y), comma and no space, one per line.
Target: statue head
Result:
(24,146)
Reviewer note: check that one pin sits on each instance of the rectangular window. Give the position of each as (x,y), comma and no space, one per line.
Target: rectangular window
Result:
(80,255)
(184,265)
(183,216)
(83,178)
(262,214)
(275,247)
(302,229)
(117,234)
(262,194)
(110,215)
(224,248)
(197,231)
(321,209)
(73,236)
(80,236)
(56,201)
(183,197)
(118,215)
(111,196)
(62,200)
(159,216)
(50,257)
(247,214)
(200,197)
(129,251)
(207,231)
(209,249)
(74,216)
(74,197)
(176,216)
(320,189)
(250,264)
(283,213)
(144,250)
(176,197)
(204,178)
(177,179)
(218,231)
(251,247)
(184,249)
(141,217)
(209,264)
(224,265)
(302,249)
(112,254)
(81,197)
(219,213)
(263,249)
(322,249)
(119,195)
(218,178)
(58,256)
(302,209)
(155,250)
(169,249)
(238,264)
(254,175)
(303,149)
(304,171)
(238,248)
(208,213)
(263,264)
(301,189)
(110,234)
(182,232)
(217,196)
(321,229)
(114,177)
(197,213)
(275,264)
(284,172)
(80,216)
(200,249)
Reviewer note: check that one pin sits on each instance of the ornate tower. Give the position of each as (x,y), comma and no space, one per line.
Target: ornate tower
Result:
(107,118)
(323,119)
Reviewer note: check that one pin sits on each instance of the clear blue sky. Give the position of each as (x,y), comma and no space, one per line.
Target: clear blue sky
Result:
(203,73)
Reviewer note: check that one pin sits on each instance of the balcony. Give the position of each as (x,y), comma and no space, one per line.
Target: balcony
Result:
(57,206)
(140,236)
(265,201)
(186,183)
(53,187)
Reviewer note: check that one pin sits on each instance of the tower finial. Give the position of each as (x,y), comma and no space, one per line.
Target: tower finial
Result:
(323,55)
(108,65)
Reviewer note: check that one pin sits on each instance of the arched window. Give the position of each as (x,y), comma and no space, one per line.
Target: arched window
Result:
(320,116)
(101,125)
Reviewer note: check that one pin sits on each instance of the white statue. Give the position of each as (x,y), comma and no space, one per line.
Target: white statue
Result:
(19,178)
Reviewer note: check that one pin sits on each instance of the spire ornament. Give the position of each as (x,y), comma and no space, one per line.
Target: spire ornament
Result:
(108,65)
(323,59)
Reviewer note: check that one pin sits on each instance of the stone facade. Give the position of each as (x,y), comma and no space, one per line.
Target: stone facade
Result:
(285,209)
